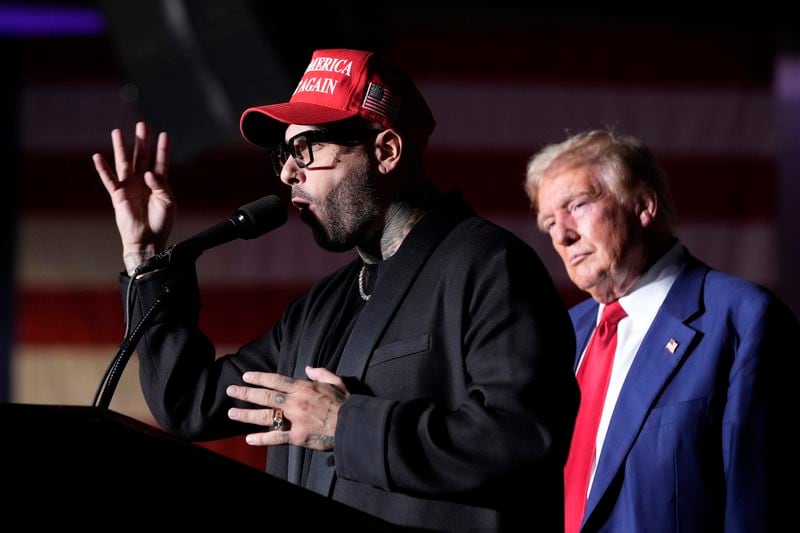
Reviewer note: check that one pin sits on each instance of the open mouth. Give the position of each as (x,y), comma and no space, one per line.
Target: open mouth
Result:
(300,203)
(306,212)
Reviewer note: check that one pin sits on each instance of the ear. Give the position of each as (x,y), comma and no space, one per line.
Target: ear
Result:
(388,150)
(646,208)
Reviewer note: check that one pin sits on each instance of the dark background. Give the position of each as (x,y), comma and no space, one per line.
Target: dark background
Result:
(717,97)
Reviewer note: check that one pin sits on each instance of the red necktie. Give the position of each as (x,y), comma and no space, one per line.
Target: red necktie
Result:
(593,376)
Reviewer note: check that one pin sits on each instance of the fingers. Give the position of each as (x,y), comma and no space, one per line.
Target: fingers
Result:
(264,417)
(270,438)
(162,155)
(258,396)
(259,417)
(121,162)
(126,166)
(104,171)
(269,380)
(141,148)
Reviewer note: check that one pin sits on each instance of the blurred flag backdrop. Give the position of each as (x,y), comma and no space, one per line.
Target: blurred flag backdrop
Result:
(704,101)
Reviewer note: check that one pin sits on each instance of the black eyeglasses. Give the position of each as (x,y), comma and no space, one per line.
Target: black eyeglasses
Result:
(300,146)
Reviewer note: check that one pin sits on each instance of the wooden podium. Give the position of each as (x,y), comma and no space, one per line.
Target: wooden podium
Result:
(82,466)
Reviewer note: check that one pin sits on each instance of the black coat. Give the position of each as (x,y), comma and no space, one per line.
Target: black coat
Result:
(464,400)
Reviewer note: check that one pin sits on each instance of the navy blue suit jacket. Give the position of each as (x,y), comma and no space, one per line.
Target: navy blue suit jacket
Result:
(687,445)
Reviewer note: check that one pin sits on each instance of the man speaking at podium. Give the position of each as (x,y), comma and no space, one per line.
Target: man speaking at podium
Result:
(429,381)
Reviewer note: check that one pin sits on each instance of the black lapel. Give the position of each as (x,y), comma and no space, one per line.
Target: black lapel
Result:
(309,345)
(391,288)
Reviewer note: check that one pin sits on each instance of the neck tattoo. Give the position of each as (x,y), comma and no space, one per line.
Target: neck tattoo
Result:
(361,292)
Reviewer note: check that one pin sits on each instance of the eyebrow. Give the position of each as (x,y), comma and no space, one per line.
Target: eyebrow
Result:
(540,218)
(590,193)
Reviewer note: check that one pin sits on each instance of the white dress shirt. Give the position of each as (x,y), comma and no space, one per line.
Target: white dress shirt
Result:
(641,305)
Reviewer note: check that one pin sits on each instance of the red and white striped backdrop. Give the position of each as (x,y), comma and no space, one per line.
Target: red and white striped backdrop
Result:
(704,104)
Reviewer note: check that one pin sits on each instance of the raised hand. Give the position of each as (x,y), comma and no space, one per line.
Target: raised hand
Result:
(144,206)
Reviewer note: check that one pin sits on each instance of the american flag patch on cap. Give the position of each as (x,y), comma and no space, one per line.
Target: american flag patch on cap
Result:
(381,100)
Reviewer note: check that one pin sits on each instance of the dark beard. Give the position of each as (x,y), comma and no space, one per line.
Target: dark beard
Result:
(349,211)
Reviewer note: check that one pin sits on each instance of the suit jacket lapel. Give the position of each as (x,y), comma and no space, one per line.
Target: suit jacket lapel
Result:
(584,325)
(390,289)
(665,345)
(308,346)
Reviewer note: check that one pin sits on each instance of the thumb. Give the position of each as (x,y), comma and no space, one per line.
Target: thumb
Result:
(323,375)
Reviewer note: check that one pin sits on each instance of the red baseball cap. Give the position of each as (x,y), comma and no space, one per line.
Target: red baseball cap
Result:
(339,84)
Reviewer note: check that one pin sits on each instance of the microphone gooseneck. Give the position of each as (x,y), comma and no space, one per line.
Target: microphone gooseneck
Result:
(248,222)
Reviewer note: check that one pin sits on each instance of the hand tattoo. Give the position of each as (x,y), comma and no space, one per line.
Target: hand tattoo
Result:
(327,441)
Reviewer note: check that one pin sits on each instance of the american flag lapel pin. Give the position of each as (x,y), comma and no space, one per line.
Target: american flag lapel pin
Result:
(672,345)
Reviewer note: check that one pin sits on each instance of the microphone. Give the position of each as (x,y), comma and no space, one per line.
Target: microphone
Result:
(248,222)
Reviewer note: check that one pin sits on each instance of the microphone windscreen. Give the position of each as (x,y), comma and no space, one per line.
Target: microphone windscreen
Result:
(261,216)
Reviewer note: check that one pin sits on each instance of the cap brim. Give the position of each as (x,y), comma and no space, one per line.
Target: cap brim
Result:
(265,125)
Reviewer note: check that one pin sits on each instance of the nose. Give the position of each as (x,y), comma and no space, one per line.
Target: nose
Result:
(291,174)
(563,232)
